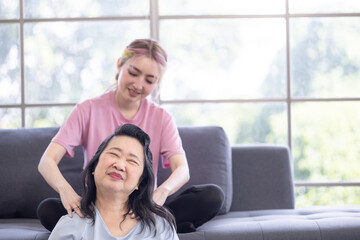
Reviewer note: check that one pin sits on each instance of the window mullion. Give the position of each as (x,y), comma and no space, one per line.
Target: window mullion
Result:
(22,66)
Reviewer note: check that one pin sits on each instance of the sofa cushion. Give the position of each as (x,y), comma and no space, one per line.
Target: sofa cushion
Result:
(22,187)
(24,229)
(318,223)
(209,157)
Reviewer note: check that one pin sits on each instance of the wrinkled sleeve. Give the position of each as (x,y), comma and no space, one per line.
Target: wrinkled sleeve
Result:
(65,229)
(172,234)
(171,143)
(71,133)
(165,230)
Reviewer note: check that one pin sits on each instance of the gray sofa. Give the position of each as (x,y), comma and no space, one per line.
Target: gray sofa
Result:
(257,181)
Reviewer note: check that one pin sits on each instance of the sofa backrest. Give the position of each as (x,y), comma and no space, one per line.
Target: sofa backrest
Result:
(209,157)
(22,188)
(262,177)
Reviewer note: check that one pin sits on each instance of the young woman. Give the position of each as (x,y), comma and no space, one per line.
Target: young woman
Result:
(139,71)
(119,179)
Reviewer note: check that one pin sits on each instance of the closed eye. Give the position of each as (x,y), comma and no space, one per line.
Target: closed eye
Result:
(149,81)
(114,154)
(132,161)
(132,74)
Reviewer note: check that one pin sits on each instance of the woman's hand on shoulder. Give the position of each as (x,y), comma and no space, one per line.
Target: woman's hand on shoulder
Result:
(160,195)
(70,200)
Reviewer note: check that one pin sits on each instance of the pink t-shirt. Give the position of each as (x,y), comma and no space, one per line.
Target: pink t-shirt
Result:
(93,120)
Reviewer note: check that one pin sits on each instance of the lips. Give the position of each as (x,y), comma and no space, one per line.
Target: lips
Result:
(133,93)
(116,176)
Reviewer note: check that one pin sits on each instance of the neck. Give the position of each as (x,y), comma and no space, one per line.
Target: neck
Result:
(127,109)
(112,209)
(111,205)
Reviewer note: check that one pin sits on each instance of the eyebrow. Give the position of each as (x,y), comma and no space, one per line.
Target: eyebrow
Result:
(120,150)
(139,71)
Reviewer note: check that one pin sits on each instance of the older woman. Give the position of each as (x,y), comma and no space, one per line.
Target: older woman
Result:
(119,181)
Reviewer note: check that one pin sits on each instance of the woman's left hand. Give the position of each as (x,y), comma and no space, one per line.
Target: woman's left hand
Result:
(178,177)
(160,195)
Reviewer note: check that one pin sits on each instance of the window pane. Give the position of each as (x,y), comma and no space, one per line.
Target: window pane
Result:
(243,123)
(201,7)
(10,118)
(46,116)
(324,6)
(325,60)
(72,61)
(85,8)
(9,64)
(326,140)
(310,196)
(224,59)
(9,9)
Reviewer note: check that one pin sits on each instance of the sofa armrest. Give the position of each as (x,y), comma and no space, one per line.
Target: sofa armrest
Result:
(262,177)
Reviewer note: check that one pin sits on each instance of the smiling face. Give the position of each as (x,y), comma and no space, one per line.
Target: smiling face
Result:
(138,77)
(120,166)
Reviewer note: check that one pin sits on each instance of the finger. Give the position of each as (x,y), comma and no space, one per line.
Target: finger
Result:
(78,212)
(69,211)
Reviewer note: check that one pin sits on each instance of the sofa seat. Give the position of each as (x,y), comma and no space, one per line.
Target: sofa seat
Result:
(22,228)
(312,223)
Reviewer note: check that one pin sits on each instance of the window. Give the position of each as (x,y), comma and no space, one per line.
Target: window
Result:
(55,55)
(280,71)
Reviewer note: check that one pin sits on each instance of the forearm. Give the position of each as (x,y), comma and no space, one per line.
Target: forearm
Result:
(48,167)
(52,175)
(176,180)
(179,175)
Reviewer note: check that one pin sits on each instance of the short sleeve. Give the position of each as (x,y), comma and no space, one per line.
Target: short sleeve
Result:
(164,230)
(170,140)
(71,133)
(66,229)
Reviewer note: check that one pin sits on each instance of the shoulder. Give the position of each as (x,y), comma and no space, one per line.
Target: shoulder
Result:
(94,106)
(161,222)
(148,104)
(164,230)
(69,228)
(98,100)
(155,109)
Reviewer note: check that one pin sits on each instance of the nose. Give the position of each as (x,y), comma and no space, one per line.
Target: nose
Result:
(139,83)
(119,165)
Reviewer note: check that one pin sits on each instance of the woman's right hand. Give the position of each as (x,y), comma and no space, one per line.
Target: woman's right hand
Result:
(48,168)
(70,200)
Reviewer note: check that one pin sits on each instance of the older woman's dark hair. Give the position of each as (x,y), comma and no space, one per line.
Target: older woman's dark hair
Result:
(140,201)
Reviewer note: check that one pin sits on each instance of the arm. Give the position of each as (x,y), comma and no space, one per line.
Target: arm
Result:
(179,176)
(48,168)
